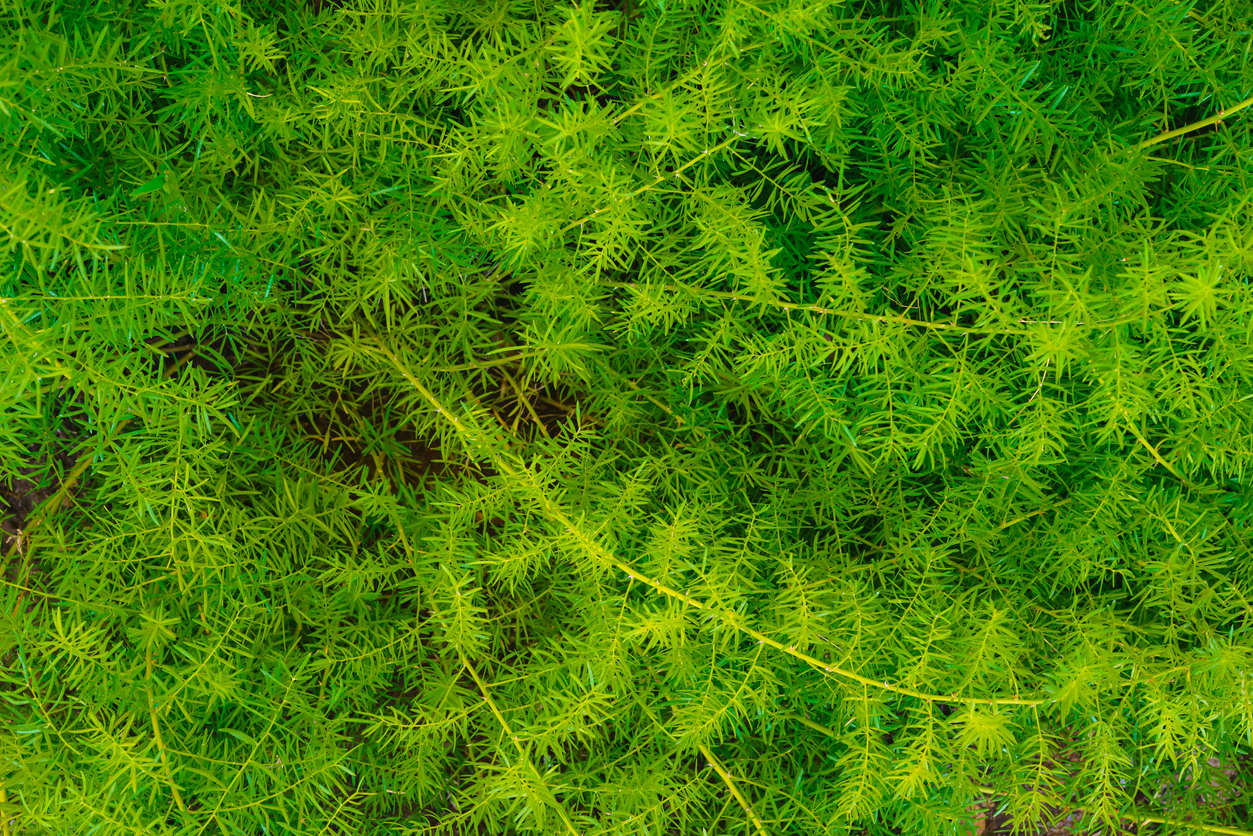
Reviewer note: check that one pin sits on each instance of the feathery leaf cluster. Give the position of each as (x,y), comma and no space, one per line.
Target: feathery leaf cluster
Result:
(657,416)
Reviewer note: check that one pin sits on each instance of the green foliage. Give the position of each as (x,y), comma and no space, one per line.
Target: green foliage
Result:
(501,416)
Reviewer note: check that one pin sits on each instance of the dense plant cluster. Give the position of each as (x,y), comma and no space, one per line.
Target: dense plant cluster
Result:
(657,416)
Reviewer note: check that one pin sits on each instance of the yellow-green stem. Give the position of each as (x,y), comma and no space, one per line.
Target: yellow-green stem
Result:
(156,735)
(726,779)
(589,544)
(1195,126)
(1208,828)
(500,718)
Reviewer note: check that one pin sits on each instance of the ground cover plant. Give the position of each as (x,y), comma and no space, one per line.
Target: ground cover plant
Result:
(526,416)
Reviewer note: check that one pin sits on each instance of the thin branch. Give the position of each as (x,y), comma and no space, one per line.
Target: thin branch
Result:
(847,314)
(593,547)
(1195,126)
(1153,452)
(1208,828)
(508,731)
(726,778)
(156,735)
(818,727)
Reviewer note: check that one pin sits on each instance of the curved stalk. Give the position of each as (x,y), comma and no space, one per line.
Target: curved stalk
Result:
(1195,126)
